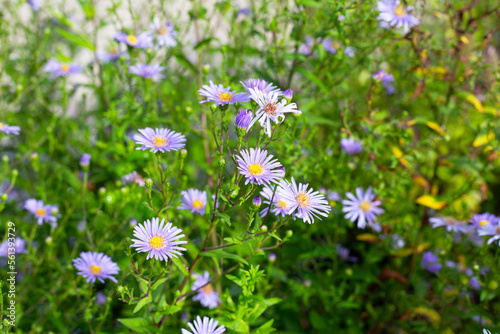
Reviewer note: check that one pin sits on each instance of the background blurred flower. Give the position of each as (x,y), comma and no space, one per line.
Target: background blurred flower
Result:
(58,69)
(9,129)
(396,15)
(147,71)
(431,263)
(362,208)
(206,294)
(94,265)
(351,146)
(165,33)
(142,41)
(193,200)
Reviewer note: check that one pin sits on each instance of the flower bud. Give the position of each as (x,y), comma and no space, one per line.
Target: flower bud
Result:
(243,120)
(264,228)
(222,162)
(4,197)
(214,108)
(184,153)
(289,233)
(282,171)
(206,68)
(5,159)
(85,160)
(102,191)
(48,240)
(15,172)
(257,201)
(288,94)
(149,183)
(272,257)
(348,272)
(120,289)
(34,156)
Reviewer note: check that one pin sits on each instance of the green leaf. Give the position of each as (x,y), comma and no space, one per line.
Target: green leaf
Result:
(261,305)
(225,218)
(78,40)
(140,325)
(219,253)
(265,328)
(160,281)
(180,265)
(313,78)
(142,303)
(170,310)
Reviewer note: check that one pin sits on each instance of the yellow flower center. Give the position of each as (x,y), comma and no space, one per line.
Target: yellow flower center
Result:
(131,39)
(399,11)
(64,68)
(336,44)
(197,205)
(225,97)
(95,270)
(2,125)
(498,230)
(207,288)
(160,142)
(333,203)
(40,212)
(281,204)
(256,169)
(365,206)
(271,108)
(303,200)
(157,242)
(483,222)
(113,52)
(162,31)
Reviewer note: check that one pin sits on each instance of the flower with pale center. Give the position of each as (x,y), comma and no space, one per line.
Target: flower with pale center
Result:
(131,39)
(365,206)
(270,108)
(225,97)
(160,142)
(399,11)
(157,242)
(95,270)
(303,200)
(255,169)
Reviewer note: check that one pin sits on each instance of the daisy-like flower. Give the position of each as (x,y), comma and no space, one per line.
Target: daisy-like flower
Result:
(307,203)
(58,69)
(260,85)
(270,109)
(42,212)
(383,76)
(8,129)
(94,265)
(142,41)
(395,14)
(16,247)
(349,51)
(362,208)
(110,55)
(451,224)
(306,48)
(351,146)
(207,326)
(484,219)
(243,119)
(147,71)
(280,206)
(193,200)
(165,33)
(159,239)
(221,95)
(159,140)
(258,167)
(133,177)
(431,263)
(490,230)
(330,45)
(206,294)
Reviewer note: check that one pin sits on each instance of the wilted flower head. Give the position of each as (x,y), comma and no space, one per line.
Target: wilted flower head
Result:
(147,71)
(207,326)
(306,203)
(383,76)
(206,294)
(159,140)
(330,45)
(165,33)
(42,212)
(451,224)
(260,85)
(221,95)
(58,69)
(141,41)
(270,109)
(133,177)
(431,263)
(17,247)
(258,167)
(85,160)
(94,265)
(159,239)
(351,146)
(395,14)
(243,119)
(194,200)
(362,208)
(8,129)
(484,219)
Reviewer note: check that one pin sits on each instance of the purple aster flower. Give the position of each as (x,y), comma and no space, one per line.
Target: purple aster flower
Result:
(58,69)
(383,76)
(271,257)
(258,167)
(35,5)
(206,294)
(220,95)
(307,203)
(8,129)
(451,224)
(330,45)
(207,326)
(492,230)
(484,219)
(349,51)
(362,208)
(243,119)
(110,55)
(257,201)
(389,88)
(343,253)
(85,160)
(142,41)
(306,48)
(94,265)
(9,247)
(133,222)
(100,298)
(341,17)
(147,71)
(82,224)
(242,11)
(42,212)
(288,94)
(474,283)
(261,85)
(396,15)
(280,205)
(194,200)
(159,239)
(431,263)
(165,33)
(159,140)
(270,109)
(351,146)
(133,177)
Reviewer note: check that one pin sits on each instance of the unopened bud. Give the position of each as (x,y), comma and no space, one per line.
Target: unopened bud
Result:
(149,183)
(288,94)
(264,228)
(289,233)
(257,201)
(184,153)
(85,160)
(120,289)
(222,162)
